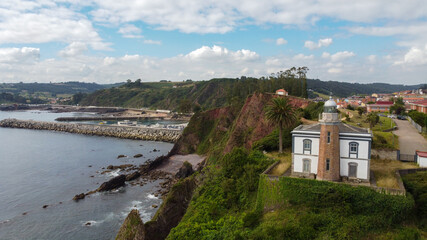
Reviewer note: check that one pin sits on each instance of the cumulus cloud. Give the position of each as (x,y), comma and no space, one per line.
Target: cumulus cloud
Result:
(372,58)
(19,55)
(320,43)
(130,31)
(281,41)
(23,64)
(74,49)
(223,16)
(303,57)
(339,56)
(45,21)
(148,41)
(334,70)
(415,56)
(218,52)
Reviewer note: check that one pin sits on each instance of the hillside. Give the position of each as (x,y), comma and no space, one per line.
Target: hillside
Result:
(189,95)
(343,89)
(185,96)
(40,92)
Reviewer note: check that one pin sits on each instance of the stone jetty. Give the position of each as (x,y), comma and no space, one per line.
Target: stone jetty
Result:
(127,132)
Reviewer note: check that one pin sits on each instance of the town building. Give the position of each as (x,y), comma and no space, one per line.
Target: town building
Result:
(331,150)
(421,158)
(282,92)
(420,106)
(379,106)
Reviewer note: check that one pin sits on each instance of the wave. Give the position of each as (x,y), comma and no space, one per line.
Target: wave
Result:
(110,216)
(4,221)
(151,196)
(114,173)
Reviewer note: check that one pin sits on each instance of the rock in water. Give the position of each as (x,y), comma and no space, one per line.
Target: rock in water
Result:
(133,176)
(132,228)
(137,155)
(185,171)
(113,183)
(79,196)
(121,156)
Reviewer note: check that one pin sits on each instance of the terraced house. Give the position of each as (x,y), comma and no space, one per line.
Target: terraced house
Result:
(331,150)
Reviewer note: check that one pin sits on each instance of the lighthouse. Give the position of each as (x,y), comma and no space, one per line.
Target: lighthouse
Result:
(329,143)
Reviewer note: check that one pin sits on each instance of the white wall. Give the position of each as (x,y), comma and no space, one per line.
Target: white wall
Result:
(363,149)
(362,167)
(298,163)
(422,161)
(299,145)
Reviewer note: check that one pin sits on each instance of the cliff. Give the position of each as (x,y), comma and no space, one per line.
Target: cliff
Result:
(167,217)
(132,228)
(213,133)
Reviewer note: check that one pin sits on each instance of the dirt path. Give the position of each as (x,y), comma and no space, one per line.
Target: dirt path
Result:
(409,138)
(174,163)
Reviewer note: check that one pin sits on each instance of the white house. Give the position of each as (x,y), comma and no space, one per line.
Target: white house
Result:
(422,158)
(282,92)
(330,150)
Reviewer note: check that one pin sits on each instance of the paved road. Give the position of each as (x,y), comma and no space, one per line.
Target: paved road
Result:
(409,138)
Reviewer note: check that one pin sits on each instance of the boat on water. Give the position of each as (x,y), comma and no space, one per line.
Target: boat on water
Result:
(127,123)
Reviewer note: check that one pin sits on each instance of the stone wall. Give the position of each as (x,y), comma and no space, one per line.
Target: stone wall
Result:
(138,133)
(384,154)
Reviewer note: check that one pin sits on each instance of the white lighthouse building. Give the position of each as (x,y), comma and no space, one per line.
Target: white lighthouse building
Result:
(331,150)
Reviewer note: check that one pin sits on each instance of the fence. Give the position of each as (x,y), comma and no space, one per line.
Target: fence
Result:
(416,125)
(407,158)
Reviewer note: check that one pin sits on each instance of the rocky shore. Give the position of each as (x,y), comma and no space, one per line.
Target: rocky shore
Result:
(138,133)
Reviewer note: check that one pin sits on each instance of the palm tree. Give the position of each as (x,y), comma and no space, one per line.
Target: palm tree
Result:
(281,112)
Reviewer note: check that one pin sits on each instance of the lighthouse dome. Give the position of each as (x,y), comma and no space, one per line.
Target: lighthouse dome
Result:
(330,106)
(330,103)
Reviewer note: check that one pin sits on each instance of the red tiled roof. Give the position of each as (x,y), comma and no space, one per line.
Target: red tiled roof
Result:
(384,102)
(422,154)
(422,102)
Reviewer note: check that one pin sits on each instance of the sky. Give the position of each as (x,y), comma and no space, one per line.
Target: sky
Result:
(108,41)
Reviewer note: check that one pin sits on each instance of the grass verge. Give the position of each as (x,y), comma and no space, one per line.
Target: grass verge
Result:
(384,171)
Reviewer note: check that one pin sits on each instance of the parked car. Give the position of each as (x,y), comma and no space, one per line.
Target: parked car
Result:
(401,117)
(391,116)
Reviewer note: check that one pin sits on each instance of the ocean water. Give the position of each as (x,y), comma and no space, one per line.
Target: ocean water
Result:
(40,168)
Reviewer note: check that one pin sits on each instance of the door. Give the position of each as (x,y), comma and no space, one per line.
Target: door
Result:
(352,170)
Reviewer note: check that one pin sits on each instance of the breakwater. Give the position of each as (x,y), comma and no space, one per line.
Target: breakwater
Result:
(117,118)
(127,132)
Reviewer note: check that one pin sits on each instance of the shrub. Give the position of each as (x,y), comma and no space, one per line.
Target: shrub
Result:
(271,142)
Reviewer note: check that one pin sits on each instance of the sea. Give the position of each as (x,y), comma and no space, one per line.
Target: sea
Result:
(39,168)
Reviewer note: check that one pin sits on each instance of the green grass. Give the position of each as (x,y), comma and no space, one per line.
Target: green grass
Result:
(416,184)
(308,209)
(382,140)
(285,162)
(385,140)
(384,171)
(324,96)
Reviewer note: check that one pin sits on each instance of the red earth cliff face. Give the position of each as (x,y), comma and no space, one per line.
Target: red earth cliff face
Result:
(251,124)
(248,126)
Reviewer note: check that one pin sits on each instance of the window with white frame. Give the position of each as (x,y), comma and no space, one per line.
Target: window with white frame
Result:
(307,145)
(354,148)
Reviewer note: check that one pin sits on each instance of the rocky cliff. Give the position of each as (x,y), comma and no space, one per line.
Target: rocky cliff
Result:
(212,132)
